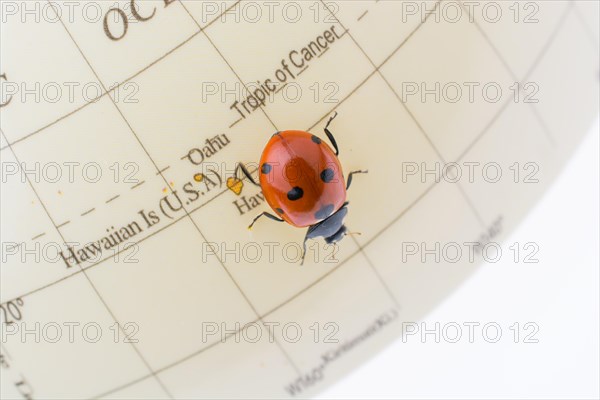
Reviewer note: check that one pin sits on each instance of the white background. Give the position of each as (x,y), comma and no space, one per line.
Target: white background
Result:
(560,294)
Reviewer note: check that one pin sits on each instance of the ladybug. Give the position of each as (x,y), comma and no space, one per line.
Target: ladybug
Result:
(302,181)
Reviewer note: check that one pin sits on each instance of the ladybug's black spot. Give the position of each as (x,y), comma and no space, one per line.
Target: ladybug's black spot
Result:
(324,212)
(266,168)
(316,139)
(327,175)
(279,211)
(295,193)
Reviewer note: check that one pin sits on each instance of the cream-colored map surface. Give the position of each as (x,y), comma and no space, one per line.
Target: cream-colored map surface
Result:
(127,269)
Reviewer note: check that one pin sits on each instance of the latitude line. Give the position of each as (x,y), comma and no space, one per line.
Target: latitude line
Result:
(225,190)
(117,86)
(123,250)
(81,269)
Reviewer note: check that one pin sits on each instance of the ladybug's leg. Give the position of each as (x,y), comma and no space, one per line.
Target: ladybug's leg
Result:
(330,135)
(304,249)
(246,173)
(349,181)
(266,214)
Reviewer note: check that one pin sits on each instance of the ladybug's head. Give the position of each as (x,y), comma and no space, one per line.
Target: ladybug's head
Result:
(339,235)
(331,228)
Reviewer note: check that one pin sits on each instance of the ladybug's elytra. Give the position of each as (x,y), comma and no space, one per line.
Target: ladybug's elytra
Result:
(302,180)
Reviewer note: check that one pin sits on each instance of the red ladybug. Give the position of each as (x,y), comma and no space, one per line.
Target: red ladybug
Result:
(302,180)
